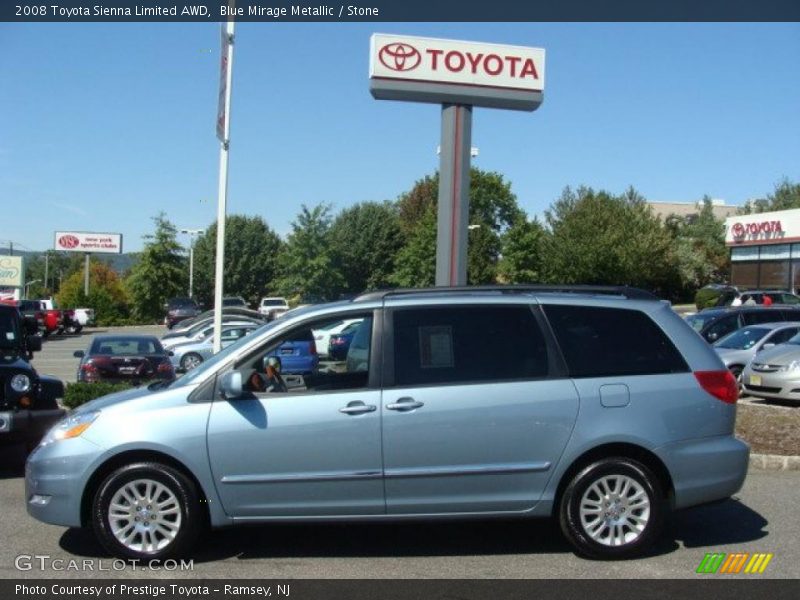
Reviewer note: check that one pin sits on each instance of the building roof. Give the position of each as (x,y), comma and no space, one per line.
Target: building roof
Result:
(688,209)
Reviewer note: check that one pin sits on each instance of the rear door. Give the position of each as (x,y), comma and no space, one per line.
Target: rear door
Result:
(476,410)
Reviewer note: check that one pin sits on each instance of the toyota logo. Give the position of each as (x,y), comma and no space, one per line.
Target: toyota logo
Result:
(399,57)
(738,230)
(68,241)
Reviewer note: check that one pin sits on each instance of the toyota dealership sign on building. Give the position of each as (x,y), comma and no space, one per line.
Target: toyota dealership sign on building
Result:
(473,73)
(95,243)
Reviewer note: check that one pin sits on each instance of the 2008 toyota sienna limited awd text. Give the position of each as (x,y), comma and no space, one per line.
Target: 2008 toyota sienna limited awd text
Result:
(599,407)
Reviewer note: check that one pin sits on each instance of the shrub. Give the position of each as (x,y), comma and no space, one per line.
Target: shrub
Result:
(80,393)
(706,297)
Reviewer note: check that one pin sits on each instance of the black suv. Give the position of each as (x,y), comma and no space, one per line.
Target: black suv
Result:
(28,406)
(714,323)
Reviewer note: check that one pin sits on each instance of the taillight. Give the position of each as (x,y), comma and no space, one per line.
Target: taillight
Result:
(165,367)
(720,384)
(312,348)
(89,371)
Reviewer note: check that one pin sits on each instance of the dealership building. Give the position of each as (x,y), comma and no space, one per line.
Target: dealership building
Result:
(765,250)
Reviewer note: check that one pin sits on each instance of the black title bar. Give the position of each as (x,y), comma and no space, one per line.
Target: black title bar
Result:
(394,10)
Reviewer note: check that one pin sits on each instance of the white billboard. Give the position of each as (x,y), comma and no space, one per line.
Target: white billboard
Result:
(96,243)
(763,228)
(477,64)
(11,271)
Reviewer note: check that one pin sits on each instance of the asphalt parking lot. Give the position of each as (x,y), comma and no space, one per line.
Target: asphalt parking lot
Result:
(762,518)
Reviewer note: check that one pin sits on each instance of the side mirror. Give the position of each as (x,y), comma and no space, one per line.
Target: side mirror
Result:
(34,343)
(231,385)
(79,354)
(767,346)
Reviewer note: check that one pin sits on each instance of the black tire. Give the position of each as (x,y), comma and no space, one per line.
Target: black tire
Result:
(576,529)
(736,371)
(192,517)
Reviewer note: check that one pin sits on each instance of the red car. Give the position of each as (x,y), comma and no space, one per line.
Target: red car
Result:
(134,359)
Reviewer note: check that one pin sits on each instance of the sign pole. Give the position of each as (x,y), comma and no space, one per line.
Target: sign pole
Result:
(86,275)
(223,133)
(453,205)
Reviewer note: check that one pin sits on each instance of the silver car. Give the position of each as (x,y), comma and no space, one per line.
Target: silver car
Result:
(189,355)
(599,407)
(774,374)
(739,347)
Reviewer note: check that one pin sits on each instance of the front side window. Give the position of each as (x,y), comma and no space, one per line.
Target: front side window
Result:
(604,342)
(467,344)
(291,363)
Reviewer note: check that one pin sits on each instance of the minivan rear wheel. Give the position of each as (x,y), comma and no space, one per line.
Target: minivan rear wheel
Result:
(146,511)
(613,508)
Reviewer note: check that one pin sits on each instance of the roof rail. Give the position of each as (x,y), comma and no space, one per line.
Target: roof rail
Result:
(625,291)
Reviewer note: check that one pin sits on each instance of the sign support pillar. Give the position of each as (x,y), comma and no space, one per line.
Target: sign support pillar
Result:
(86,275)
(453,205)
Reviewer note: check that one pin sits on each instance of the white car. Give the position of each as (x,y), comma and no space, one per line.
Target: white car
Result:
(273,307)
(322,337)
(195,334)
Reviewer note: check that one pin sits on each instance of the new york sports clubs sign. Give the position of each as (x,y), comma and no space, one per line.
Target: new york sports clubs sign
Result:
(433,70)
(81,241)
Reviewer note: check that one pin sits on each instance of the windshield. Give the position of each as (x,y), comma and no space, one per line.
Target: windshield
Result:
(743,339)
(199,373)
(9,335)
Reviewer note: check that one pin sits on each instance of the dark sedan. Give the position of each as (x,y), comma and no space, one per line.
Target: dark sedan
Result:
(134,359)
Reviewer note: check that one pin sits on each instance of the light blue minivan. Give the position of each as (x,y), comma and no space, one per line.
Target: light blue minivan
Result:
(600,407)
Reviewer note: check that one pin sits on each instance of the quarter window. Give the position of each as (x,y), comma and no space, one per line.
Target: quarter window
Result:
(601,342)
(450,345)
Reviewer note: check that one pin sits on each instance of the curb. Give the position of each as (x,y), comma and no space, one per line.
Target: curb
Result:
(774,462)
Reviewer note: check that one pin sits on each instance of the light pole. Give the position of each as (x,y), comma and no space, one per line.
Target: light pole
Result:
(29,284)
(192,233)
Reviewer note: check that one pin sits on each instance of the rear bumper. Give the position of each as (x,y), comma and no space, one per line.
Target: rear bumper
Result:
(705,470)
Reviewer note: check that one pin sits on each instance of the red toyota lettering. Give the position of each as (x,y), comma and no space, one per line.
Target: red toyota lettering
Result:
(449,62)
(434,57)
(498,64)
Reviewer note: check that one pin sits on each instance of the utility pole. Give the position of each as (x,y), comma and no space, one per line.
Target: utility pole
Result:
(191,233)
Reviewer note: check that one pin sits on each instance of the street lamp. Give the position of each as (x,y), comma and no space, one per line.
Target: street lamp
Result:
(192,233)
(30,283)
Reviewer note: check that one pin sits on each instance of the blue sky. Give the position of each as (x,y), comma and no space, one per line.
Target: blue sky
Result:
(105,125)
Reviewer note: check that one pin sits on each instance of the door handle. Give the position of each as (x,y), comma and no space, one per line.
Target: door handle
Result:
(405,404)
(357,408)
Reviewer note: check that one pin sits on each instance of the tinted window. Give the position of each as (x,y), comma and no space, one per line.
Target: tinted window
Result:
(722,327)
(762,316)
(598,342)
(467,344)
(126,346)
(782,336)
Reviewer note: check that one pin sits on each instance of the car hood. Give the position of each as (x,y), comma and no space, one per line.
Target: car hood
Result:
(11,359)
(732,356)
(112,399)
(779,355)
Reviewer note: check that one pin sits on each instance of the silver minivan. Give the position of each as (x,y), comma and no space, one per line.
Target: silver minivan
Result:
(599,407)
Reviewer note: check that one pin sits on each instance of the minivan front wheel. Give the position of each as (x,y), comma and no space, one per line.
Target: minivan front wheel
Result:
(146,511)
(612,508)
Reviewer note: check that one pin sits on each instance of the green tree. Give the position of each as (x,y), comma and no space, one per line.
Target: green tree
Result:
(251,260)
(364,242)
(306,263)
(785,196)
(415,265)
(55,267)
(523,252)
(493,209)
(597,238)
(107,294)
(160,273)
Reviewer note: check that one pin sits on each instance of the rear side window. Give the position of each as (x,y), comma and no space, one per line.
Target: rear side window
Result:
(722,327)
(600,342)
(467,344)
(769,315)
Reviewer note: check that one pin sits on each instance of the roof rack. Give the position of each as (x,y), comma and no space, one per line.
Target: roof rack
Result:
(625,291)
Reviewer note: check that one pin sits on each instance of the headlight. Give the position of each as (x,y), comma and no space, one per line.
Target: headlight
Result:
(70,427)
(20,383)
(792,366)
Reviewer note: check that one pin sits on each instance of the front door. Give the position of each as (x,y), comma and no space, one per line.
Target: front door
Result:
(311,447)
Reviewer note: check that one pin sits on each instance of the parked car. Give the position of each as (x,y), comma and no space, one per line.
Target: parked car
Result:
(234,301)
(180,309)
(715,323)
(228,311)
(774,373)
(739,347)
(134,359)
(339,343)
(32,311)
(776,297)
(189,355)
(28,401)
(322,337)
(601,408)
(74,319)
(202,330)
(298,355)
(273,307)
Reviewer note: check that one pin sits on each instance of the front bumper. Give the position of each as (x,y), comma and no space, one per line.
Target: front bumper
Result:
(54,479)
(705,470)
(27,426)
(775,385)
